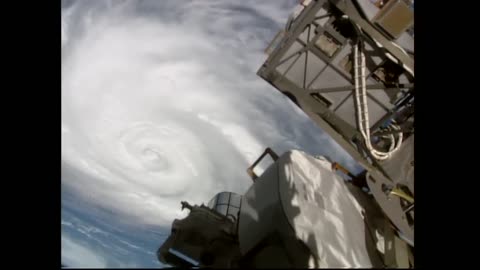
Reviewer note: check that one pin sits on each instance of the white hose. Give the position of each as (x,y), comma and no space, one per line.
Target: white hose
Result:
(362,110)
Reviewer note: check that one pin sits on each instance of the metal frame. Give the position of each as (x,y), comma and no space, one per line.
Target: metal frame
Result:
(327,118)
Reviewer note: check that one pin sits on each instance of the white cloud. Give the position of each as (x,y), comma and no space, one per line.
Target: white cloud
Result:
(136,75)
(80,255)
(131,89)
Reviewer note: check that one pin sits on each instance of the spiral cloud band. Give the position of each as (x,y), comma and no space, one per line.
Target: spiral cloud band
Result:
(161,103)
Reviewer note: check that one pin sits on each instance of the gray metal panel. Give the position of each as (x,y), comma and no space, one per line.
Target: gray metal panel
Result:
(406,41)
(312,31)
(382,96)
(222,209)
(390,204)
(403,79)
(314,66)
(368,8)
(259,210)
(304,35)
(337,99)
(346,51)
(321,12)
(235,200)
(369,49)
(322,21)
(283,67)
(331,31)
(401,166)
(295,73)
(347,112)
(223,198)
(233,211)
(375,112)
(296,46)
(373,59)
(329,78)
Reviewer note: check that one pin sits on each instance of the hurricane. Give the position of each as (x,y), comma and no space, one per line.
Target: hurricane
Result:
(161,103)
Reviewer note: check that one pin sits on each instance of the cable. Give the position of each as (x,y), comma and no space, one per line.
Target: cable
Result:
(362,108)
(361,99)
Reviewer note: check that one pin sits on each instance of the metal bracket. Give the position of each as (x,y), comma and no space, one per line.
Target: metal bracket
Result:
(267,151)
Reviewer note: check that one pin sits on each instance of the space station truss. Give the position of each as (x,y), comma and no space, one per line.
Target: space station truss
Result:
(312,62)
